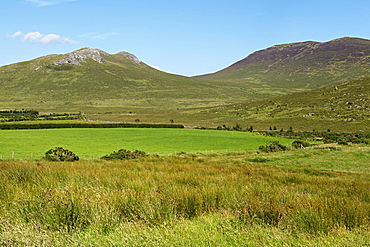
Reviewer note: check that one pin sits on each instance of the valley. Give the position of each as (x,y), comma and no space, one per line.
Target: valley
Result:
(120,87)
(270,151)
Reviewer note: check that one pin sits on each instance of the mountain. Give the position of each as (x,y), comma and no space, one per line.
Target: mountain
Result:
(93,80)
(120,87)
(303,65)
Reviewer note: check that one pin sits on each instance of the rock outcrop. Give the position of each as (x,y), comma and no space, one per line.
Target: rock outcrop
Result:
(80,56)
(131,57)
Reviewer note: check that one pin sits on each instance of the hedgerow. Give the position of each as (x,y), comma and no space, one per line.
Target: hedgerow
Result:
(87,125)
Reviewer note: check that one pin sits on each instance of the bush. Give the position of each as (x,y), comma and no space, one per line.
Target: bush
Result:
(342,142)
(300,144)
(60,154)
(273,146)
(124,154)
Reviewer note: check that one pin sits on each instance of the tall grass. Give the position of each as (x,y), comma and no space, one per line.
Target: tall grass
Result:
(101,198)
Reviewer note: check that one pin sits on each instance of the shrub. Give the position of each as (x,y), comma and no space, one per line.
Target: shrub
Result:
(237,127)
(60,154)
(273,146)
(300,144)
(124,154)
(342,142)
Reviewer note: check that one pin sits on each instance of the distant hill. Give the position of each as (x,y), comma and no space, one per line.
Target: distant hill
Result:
(93,80)
(303,65)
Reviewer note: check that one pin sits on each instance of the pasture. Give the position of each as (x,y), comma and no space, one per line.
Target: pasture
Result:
(96,142)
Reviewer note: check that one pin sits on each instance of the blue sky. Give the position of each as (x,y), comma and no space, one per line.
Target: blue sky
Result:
(189,37)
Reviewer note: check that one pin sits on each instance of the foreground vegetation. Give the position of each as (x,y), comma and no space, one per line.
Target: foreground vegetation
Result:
(316,196)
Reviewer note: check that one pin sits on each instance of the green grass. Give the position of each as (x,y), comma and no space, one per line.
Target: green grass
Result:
(92,143)
(188,200)
(329,157)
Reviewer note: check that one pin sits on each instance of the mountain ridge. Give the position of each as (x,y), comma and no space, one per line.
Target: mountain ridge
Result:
(309,61)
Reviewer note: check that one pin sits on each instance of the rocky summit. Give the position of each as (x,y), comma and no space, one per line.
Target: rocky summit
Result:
(80,56)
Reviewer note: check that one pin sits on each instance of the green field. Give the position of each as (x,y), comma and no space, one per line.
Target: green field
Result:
(93,143)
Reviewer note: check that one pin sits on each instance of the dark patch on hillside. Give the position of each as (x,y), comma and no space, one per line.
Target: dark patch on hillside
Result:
(309,53)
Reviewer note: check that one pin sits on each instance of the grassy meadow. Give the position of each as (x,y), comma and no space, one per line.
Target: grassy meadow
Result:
(96,142)
(318,196)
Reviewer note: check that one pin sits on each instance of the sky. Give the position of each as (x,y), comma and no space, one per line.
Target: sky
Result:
(191,37)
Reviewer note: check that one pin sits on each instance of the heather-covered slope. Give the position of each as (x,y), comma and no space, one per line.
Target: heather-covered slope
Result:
(303,65)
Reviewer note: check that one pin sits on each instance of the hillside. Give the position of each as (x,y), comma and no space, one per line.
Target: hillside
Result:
(303,65)
(93,80)
(341,107)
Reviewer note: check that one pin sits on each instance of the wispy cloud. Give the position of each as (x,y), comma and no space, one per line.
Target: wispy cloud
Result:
(41,3)
(97,35)
(37,37)
(16,35)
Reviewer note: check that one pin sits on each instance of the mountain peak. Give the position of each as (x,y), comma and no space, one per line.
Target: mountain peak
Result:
(80,56)
(346,38)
